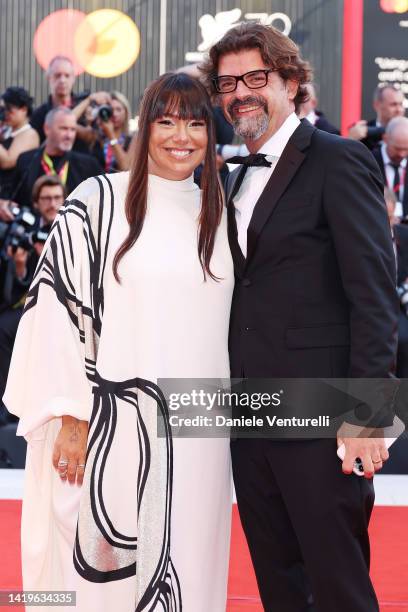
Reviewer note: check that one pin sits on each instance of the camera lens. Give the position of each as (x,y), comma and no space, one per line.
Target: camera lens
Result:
(105,112)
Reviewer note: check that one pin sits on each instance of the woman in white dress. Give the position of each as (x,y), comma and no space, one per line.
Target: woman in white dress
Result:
(134,285)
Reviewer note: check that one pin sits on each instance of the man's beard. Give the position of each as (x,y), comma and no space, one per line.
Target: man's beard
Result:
(65,147)
(249,128)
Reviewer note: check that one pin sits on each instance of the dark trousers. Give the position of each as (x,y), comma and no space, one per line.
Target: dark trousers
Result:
(306,525)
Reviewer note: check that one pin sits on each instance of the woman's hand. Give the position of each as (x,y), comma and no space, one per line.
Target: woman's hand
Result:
(69,453)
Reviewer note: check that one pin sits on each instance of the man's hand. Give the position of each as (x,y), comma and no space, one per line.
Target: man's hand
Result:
(359,442)
(5,212)
(69,453)
(20,257)
(359,130)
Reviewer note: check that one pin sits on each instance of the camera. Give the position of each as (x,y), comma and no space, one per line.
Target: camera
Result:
(403,296)
(375,132)
(21,233)
(103,112)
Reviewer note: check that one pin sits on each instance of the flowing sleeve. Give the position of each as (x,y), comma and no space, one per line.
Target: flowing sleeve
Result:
(56,343)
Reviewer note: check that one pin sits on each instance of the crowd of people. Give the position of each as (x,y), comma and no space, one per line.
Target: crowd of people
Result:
(45,153)
(72,137)
(294,278)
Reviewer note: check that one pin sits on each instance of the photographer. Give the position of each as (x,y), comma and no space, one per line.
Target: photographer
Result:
(392,158)
(55,158)
(21,249)
(61,81)
(108,121)
(388,102)
(116,139)
(15,111)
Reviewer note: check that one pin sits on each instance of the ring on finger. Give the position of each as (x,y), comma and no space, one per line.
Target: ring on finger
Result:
(62,462)
(81,465)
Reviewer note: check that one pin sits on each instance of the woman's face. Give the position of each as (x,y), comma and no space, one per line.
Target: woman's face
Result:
(118,114)
(176,146)
(15,116)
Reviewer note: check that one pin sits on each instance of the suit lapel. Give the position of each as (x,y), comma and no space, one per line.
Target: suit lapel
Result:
(380,161)
(233,186)
(286,168)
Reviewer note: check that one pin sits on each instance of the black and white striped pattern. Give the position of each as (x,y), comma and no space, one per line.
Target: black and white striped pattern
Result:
(74,264)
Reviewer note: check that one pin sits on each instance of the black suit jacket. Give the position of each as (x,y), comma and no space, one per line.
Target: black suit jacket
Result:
(323,124)
(379,159)
(401,241)
(316,295)
(28,169)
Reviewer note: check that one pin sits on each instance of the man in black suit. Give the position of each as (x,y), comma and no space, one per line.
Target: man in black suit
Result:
(400,238)
(55,158)
(392,157)
(61,80)
(314,298)
(388,102)
(309,111)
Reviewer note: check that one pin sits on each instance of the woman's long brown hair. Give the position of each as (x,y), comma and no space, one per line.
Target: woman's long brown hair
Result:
(181,94)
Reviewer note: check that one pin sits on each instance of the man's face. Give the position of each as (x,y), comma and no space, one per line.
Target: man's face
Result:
(391,105)
(61,78)
(397,145)
(61,133)
(50,200)
(255,113)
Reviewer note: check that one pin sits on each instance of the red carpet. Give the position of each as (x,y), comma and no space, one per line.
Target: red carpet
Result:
(389,537)
(389,567)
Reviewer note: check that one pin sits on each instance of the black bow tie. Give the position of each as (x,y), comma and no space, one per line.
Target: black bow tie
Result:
(256,159)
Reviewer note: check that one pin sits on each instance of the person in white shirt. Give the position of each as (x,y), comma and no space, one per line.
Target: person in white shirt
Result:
(316,117)
(388,102)
(392,158)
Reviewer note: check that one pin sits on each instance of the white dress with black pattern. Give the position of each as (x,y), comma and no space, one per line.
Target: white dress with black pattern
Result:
(149,528)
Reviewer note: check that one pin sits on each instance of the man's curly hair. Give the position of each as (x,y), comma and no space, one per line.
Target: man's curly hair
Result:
(277,51)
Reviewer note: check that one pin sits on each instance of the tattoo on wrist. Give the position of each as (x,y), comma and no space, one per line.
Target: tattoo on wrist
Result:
(74,433)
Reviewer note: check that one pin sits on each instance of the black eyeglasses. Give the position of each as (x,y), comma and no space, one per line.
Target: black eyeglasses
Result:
(255,79)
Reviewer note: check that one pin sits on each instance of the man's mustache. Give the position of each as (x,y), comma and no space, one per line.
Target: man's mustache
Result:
(235,103)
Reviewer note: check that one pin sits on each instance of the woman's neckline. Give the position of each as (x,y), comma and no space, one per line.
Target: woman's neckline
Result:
(182,185)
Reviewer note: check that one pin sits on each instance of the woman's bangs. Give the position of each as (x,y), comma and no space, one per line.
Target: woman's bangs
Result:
(184,103)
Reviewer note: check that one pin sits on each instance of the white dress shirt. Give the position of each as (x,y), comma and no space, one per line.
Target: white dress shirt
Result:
(256,178)
(390,173)
(312,117)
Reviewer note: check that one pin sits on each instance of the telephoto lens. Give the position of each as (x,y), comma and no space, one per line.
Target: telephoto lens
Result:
(375,132)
